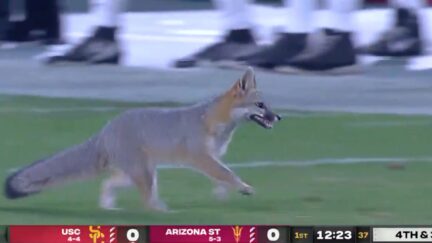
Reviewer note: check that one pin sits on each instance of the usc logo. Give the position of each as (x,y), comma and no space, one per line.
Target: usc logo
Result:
(96,234)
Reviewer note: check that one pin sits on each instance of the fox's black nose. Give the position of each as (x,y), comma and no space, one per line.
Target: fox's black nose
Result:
(270,116)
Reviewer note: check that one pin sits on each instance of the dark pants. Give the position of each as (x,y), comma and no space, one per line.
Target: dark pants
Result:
(4,18)
(43,15)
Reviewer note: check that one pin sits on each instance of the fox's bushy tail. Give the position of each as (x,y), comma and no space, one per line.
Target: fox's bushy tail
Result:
(81,161)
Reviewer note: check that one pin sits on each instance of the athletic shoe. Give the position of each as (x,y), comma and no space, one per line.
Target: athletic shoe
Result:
(402,40)
(234,44)
(327,50)
(99,48)
(286,47)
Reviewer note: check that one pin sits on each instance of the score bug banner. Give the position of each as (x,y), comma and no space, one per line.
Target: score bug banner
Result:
(211,234)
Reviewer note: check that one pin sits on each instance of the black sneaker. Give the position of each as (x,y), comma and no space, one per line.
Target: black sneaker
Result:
(53,41)
(402,40)
(326,51)
(99,48)
(286,47)
(234,44)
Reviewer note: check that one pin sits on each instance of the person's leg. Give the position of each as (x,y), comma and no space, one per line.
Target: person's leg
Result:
(411,4)
(289,43)
(299,15)
(4,18)
(102,45)
(108,13)
(33,12)
(403,37)
(407,12)
(18,29)
(51,22)
(238,35)
(330,49)
(340,17)
(236,14)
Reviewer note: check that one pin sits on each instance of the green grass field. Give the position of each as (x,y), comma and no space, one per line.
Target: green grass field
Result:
(360,193)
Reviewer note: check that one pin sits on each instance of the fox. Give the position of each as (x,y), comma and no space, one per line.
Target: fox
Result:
(132,145)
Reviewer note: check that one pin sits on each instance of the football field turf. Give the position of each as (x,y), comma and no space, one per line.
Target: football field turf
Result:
(312,168)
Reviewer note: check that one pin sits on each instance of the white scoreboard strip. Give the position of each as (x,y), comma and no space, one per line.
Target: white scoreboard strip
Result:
(406,234)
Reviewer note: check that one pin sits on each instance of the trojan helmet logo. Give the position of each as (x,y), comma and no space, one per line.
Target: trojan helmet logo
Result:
(96,234)
(237,230)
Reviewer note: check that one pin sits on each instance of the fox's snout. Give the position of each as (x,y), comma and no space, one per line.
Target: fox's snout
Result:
(271,116)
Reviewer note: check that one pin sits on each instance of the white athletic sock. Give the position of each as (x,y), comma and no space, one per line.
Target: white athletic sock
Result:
(108,12)
(237,14)
(341,14)
(300,15)
(411,4)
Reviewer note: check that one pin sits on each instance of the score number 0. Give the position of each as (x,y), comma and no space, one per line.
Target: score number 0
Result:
(273,234)
(132,235)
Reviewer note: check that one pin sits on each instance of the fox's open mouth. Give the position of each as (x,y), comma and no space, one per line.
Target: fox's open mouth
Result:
(261,120)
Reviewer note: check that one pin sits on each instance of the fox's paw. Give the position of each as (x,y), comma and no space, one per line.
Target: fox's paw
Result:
(108,206)
(108,203)
(158,206)
(221,193)
(247,190)
(112,208)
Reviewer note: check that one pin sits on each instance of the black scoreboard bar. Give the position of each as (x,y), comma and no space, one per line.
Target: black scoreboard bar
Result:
(315,234)
(345,234)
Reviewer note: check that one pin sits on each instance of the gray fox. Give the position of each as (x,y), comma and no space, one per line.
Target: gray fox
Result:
(133,144)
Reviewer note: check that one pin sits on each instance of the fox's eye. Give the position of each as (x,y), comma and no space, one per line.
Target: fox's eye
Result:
(260,104)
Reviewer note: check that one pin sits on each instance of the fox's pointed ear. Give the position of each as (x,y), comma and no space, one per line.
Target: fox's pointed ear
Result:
(247,81)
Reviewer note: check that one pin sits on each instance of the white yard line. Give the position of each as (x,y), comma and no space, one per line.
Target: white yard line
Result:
(327,161)
(59,109)
(323,161)
(301,163)
(367,124)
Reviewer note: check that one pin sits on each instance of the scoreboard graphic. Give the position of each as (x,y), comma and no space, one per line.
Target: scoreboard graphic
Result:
(212,234)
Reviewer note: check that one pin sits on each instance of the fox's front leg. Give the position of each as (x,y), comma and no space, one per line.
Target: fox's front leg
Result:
(219,172)
(221,191)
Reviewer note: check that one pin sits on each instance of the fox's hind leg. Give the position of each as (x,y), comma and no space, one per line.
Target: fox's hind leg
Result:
(219,172)
(135,164)
(144,176)
(146,181)
(109,189)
